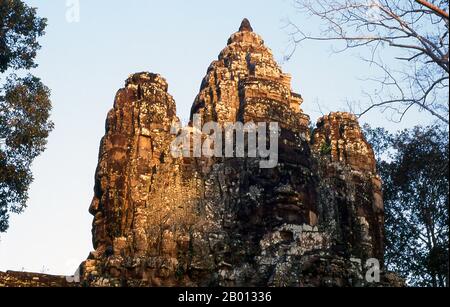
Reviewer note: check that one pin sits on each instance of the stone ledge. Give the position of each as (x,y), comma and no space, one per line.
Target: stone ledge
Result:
(26,279)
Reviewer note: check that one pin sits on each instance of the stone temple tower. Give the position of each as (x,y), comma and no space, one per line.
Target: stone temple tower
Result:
(312,220)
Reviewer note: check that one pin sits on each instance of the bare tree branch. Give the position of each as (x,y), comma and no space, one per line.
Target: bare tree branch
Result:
(434,8)
(415,31)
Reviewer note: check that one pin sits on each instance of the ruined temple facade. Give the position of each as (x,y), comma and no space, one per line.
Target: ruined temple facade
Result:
(315,219)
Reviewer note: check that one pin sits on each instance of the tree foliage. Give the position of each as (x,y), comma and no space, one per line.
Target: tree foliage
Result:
(24,106)
(414,166)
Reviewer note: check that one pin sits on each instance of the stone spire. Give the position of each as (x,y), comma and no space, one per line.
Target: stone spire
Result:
(245,26)
(159,220)
(245,75)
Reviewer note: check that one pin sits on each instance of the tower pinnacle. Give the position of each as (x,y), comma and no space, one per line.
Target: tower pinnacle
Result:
(245,26)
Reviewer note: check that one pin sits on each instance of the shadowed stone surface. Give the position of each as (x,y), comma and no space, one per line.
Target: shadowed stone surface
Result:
(245,26)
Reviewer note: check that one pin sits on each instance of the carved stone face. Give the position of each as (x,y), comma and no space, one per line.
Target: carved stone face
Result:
(161,220)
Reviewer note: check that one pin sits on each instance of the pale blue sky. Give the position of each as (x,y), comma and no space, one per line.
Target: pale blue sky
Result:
(85,63)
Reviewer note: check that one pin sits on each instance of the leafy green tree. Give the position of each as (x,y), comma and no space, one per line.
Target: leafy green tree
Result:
(414,166)
(24,105)
(20,28)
